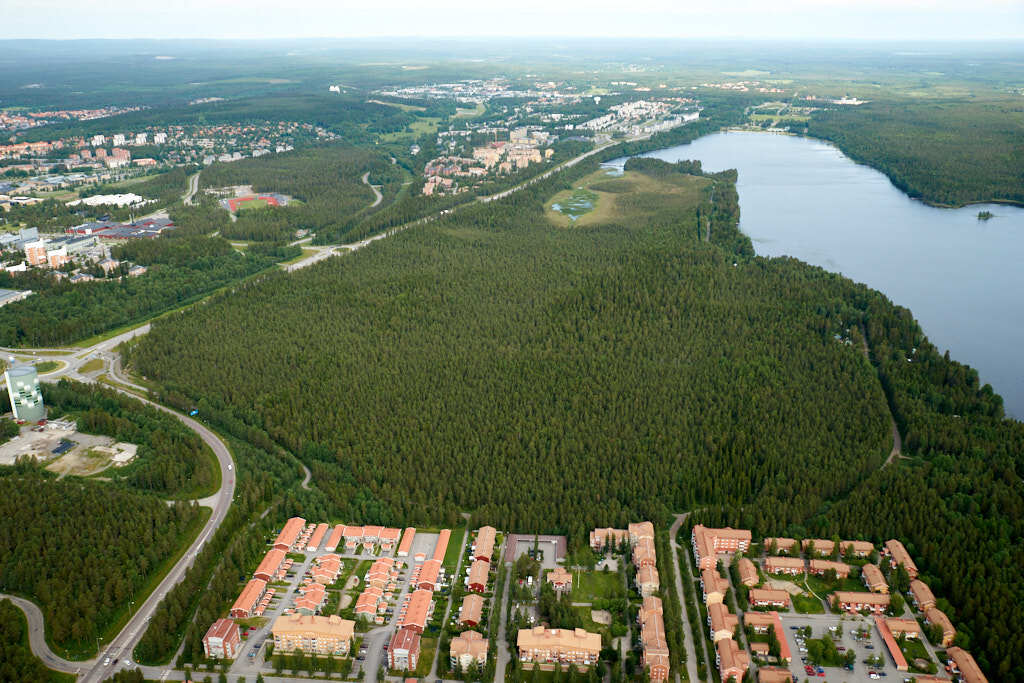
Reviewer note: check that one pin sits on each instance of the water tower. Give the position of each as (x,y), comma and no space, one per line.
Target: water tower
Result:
(23,390)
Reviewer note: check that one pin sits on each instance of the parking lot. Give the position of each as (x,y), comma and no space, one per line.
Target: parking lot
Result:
(820,624)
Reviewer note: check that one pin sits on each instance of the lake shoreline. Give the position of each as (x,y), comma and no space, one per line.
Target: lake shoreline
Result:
(803,197)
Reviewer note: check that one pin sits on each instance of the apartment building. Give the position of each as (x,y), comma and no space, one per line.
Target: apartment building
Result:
(429,575)
(783,546)
(404,650)
(654,656)
(761,622)
(748,573)
(647,581)
(478,573)
(707,542)
(873,579)
(599,538)
(472,610)
(271,566)
(290,533)
(417,610)
(644,554)
(483,548)
(713,585)
(821,547)
(768,597)
(875,603)
(562,646)
(731,660)
(891,645)
(721,622)
(936,617)
(222,640)
(248,599)
(962,665)
(820,567)
(921,595)
(793,566)
(313,634)
(466,649)
(907,627)
(898,555)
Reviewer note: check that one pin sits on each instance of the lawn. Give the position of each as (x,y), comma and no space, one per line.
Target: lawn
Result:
(451,555)
(428,646)
(915,649)
(628,199)
(48,366)
(807,604)
(252,205)
(92,366)
(588,586)
(821,587)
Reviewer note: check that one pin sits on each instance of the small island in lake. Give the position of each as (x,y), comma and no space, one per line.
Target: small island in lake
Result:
(985,215)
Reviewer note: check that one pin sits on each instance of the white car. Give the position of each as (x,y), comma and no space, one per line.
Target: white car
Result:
(106,661)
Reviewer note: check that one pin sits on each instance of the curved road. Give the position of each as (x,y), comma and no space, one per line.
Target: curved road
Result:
(375,188)
(124,642)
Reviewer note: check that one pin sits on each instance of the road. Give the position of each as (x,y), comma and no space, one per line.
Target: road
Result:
(193,187)
(691,653)
(375,188)
(124,642)
(503,655)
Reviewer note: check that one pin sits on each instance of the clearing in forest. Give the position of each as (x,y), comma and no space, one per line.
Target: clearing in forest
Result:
(629,198)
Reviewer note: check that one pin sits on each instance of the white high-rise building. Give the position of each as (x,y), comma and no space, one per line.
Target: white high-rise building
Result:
(98,140)
(118,139)
(140,138)
(23,390)
(160,138)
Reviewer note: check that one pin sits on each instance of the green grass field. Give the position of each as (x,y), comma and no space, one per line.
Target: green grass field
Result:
(589,586)
(807,604)
(252,205)
(628,199)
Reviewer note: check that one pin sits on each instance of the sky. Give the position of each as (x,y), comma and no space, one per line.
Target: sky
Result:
(761,19)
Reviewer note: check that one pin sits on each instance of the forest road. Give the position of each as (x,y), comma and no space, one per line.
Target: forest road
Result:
(375,188)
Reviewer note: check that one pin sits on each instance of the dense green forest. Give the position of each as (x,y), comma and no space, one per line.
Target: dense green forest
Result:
(493,348)
(17,663)
(327,181)
(948,153)
(180,271)
(172,460)
(70,546)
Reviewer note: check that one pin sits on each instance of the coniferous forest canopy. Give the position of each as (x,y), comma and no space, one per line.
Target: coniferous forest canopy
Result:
(82,573)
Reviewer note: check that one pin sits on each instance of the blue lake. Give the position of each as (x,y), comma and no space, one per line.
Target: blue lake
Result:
(962,278)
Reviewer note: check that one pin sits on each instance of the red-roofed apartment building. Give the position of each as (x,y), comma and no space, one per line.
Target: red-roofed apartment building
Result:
(483,548)
(404,650)
(293,528)
(406,545)
(707,542)
(248,599)
(221,641)
(478,573)
(270,565)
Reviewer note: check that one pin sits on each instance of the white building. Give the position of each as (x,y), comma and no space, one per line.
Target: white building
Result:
(140,138)
(160,138)
(118,139)
(98,140)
